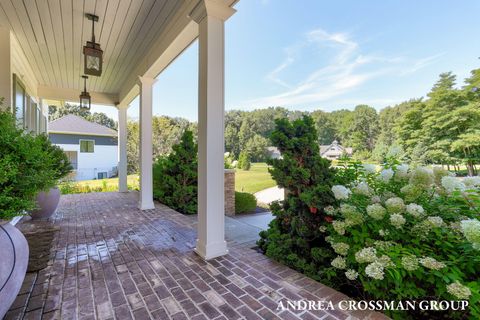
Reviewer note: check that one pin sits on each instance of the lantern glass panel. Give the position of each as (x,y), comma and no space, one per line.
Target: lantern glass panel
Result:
(93,62)
(85,102)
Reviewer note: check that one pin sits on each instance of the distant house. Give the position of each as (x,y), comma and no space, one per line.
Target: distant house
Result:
(273,153)
(334,151)
(91,148)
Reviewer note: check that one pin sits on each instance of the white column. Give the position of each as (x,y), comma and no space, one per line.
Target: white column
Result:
(146,182)
(122,148)
(6,85)
(210,16)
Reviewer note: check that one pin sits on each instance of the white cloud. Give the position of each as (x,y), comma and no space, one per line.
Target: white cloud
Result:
(346,69)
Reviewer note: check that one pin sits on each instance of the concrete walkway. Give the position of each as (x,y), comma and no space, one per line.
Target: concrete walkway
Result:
(269,195)
(245,228)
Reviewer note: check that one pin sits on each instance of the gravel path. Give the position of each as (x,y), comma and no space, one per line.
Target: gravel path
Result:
(269,195)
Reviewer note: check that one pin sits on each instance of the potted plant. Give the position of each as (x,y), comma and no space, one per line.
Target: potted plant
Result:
(59,167)
(27,166)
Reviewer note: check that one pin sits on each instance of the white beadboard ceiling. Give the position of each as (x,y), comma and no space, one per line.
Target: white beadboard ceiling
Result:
(52,33)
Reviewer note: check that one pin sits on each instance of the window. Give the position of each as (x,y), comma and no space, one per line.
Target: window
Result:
(87,146)
(102,175)
(19,103)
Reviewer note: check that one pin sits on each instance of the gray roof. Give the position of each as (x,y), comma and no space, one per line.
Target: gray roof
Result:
(335,149)
(72,124)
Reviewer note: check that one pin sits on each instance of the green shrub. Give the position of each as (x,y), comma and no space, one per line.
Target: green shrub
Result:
(245,202)
(294,236)
(244,160)
(28,164)
(228,161)
(409,234)
(175,176)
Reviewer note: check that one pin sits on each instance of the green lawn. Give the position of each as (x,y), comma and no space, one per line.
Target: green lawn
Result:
(131,180)
(102,185)
(253,180)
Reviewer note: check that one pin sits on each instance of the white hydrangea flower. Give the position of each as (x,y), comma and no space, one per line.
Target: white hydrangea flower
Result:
(383,233)
(472,181)
(330,210)
(340,248)
(395,205)
(415,210)
(471,230)
(339,227)
(341,192)
(368,254)
(410,263)
(351,274)
(376,211)
(375,199)
(362,188)
(435,221)
(421,176)
(397,220)
(375,270)
(386,175)
(386,261)
(452,184)
(339,263)
(459,291)
(402,171)
(432,263)
(369,168)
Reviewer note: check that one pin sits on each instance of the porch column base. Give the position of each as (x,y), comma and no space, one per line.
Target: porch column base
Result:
(212,250)
(146,205)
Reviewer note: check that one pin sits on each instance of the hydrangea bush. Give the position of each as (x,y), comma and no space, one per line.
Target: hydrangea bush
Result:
(408,233)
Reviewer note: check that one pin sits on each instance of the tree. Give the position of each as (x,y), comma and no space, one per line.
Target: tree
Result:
(294,236)
(256,148)
(133,147)
(365,129)
(175,176)
(325,127)
(166,132)
(103,119)
(244,160)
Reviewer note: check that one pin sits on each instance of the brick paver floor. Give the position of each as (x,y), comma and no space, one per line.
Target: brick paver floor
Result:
(112,261)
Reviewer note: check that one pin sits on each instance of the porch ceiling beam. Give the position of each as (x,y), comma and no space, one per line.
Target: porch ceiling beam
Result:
(72,95)
(176,37)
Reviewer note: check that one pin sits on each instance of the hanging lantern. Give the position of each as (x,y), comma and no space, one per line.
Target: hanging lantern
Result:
(92,53)
(85,100)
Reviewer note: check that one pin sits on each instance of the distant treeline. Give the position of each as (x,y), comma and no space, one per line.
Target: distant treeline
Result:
(442,128)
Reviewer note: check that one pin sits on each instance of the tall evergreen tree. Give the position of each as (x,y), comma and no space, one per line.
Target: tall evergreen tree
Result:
(294,236)
(175,176)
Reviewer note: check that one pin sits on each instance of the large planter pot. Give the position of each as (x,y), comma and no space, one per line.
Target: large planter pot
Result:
(47,203)
(13,264)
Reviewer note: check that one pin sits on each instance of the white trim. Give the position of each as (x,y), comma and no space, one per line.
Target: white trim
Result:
(83,133)
(15,220)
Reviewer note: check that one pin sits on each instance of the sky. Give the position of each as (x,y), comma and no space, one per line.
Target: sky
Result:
(328,55)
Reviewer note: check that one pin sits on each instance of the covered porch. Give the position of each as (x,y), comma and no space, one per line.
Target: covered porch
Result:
(111,260)
(41,47)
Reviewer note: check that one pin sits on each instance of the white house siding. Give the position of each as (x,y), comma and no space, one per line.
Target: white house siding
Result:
(104,159)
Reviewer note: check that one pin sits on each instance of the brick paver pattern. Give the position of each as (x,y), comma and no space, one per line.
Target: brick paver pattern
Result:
(112,261)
